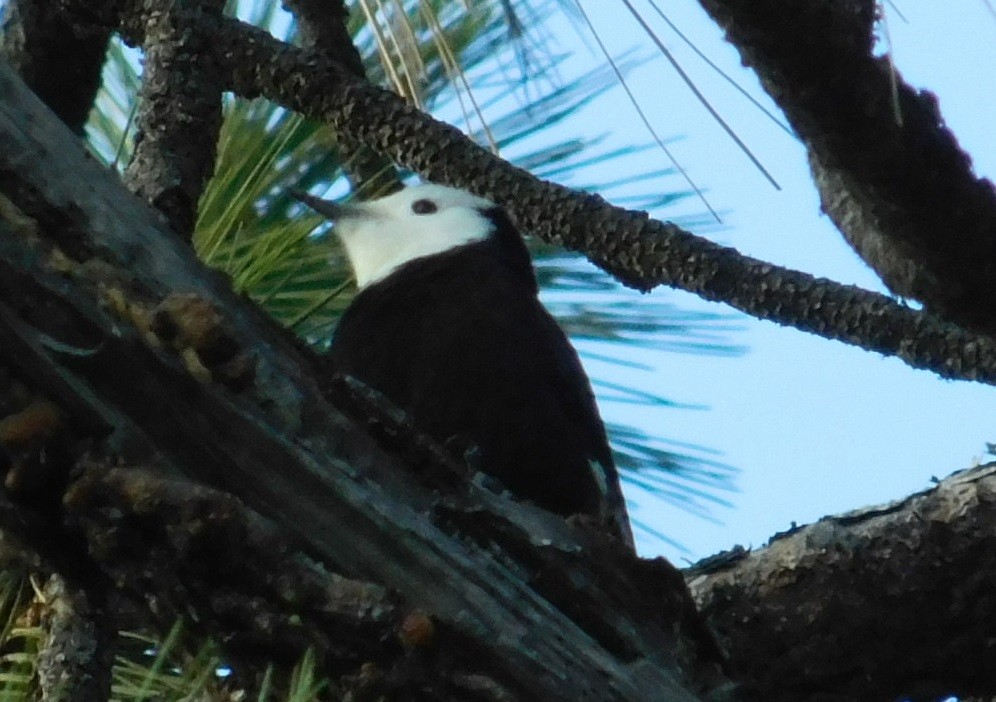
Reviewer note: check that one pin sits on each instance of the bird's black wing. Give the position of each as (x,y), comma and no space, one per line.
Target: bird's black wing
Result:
(571,383)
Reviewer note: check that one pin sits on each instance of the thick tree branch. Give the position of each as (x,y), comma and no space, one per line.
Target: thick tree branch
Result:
(59,58)
(76,323)
(639,251)
(179,113)
(890,174)
(889,602)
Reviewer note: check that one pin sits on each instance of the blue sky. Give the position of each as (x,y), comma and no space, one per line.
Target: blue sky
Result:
(815,427)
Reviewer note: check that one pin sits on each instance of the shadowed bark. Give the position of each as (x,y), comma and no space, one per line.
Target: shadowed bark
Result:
(890,174)
(58,57)
(179,109)
(885,603)
(185,549)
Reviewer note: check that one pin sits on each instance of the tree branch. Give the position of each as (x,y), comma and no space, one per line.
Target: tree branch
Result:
(890,174)
(639,251)
(888,602)
(74,664)
(179,113)
(324,29)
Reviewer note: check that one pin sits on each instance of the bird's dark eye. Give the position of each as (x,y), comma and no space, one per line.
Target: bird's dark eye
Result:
(424,207)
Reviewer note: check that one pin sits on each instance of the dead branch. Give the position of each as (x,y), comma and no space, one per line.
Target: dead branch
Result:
(888,602)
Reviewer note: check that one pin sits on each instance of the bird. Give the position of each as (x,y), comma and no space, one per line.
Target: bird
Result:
(448,326)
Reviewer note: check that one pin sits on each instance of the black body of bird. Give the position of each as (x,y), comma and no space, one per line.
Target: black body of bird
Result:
(450,329)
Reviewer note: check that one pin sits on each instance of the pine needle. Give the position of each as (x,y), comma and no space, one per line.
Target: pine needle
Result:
(723,74)
(698,94)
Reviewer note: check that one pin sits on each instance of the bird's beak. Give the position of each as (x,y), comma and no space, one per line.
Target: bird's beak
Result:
(327,208)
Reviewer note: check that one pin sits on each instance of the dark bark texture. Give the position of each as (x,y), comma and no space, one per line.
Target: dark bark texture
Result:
(186,549)
(885,603)
(179,113)
(890,174)
(74,664)
(58,57)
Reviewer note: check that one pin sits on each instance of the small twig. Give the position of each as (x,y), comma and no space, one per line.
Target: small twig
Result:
(74,664)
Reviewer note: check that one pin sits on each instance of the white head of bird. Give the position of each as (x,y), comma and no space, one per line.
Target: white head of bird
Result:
(420,220)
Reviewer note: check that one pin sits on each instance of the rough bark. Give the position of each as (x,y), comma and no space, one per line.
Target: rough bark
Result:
(76,649)
(179,109)
(323,27)
(189,551)
(890,174)
(74,664)
(56,55)
(637,250)
(886,603)
(77,324)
